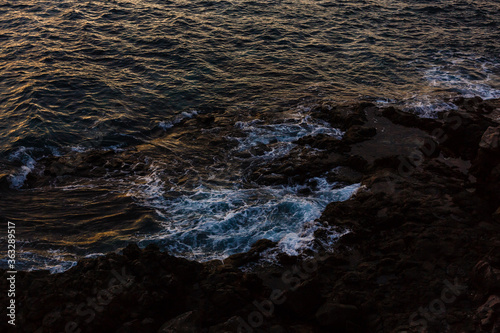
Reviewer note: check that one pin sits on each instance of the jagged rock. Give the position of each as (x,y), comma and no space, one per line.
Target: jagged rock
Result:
(358,133)
(496,215)
(337,316)
(486,277)
(488,314)
(475,104)
(413,241)
(132,251)
(321,141)
(491,139)
(343,117)
(253,254)
(304,300)
(229,326)
(345,175)
(408,119)
(301,329)
(184,323)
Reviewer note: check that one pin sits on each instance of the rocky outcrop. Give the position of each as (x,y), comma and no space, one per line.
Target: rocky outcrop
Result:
(421,254)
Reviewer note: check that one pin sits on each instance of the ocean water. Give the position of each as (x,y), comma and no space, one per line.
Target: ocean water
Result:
(120,89)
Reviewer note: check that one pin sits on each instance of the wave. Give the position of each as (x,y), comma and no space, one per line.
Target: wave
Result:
(447,77)
(211,223)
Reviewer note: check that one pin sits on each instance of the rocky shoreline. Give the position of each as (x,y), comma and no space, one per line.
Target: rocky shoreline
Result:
(422,251)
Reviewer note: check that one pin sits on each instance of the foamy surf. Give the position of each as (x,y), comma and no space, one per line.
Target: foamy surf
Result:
(55,261)
(449,77)
(168,124)
(279,136)
(215,223)
(23,156)
(468,76)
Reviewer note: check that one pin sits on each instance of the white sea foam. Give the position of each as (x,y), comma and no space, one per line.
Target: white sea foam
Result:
(296,242)
(210,221)
(279,136)
(452,76)
(167,124)
(148,189)
(94,255)
(426,106)
(213,223)
(55,261)
(21,155)
(456,79)
(79,149)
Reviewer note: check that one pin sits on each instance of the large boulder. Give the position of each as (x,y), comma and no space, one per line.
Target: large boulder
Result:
(338,317)
(491,139)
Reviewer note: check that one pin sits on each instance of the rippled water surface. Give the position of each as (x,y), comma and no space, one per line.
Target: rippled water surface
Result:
(81,77)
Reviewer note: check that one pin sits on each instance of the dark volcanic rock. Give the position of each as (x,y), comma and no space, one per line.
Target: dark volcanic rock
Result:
(486,166)
(342,117)
(421,253)
(254,254)
(358,133)
(305,161)
(339,317)
(408,119)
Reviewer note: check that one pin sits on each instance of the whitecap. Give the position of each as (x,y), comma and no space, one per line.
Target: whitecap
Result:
(22,154)
(459,81)
(210,223)
(167,124)
(279,137)
(450,76)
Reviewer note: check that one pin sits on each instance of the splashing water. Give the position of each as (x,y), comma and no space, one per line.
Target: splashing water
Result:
(214,223)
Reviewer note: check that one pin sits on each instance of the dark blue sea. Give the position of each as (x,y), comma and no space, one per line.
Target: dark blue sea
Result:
(138,120)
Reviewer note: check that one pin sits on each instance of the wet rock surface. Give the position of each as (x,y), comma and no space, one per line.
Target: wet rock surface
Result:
(422,253)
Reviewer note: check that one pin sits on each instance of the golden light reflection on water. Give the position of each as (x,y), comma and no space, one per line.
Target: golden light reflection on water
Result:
(108,73)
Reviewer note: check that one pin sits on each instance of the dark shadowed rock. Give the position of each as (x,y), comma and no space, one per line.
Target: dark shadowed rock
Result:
(488,314)
(229,326)
(408,119)
(359,133)
(486,277)
(491,139)
(338,317)
(184,323)
(414,239)
(343,116)
(496,215)
(252,255)
(132,251)
(304,299)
